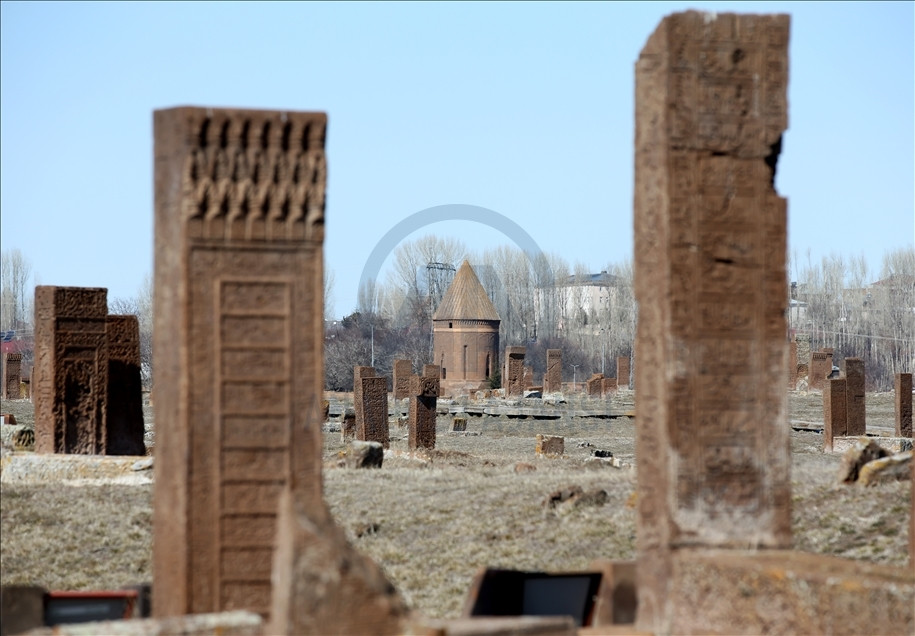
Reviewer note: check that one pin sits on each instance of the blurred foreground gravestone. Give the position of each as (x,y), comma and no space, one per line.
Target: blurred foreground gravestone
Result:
(238,283)
(712,445)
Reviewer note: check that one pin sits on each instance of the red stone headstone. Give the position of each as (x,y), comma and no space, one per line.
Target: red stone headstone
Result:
(403,369)
(552,379)
(820,368)
(622,372)
(513,378)
(853,370)
(710,242)
(423,401)
(12,376)
(124,417)
(374,407)
(903,404)
(835,418)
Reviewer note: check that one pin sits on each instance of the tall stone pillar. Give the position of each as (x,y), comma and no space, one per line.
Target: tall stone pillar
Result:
(710,242)
(622,372)
(12,376)
(855,413)
(552,379)
(902,404)
(124,418)
(239,199)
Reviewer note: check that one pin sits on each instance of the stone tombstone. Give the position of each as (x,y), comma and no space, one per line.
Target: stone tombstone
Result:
(835,422)
(622,372)
(431,371)
(403,370)
(71,369)
(608,386)
(853,370)
(124,416)
(528,376)
(820,367)
(374,406)
(903,404)
(513,376)
(12,376)
(552,379)
(595,385)
(792,365)
(550,445)
(710,242)
(423,401)
(803,348)
(358,374)
(239,228)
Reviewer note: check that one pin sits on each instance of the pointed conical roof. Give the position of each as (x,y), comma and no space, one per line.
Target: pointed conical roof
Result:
(466,299)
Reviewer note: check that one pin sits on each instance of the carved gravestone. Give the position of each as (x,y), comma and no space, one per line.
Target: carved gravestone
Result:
(854,396)
(513,376)
(358,374)
(374,407)
(608,386)
(403,369)
(552,379)
(710,240)
(792,365)
(820,367)
(835,421)
(622,372)
(595,385)
(431,371)
(239,199)
(71,369)
(124,416)
(12,376)
(423,400)
(903,404)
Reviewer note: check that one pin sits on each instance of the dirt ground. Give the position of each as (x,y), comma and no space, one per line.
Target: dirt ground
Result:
(433,521)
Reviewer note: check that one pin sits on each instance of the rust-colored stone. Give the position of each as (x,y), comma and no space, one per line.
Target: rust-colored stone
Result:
(239,199)
(71,369)
(595,385)
(549,445)
(12,376)
(835,422)
(608,387)
(903,404)
(853,370)
(358,374)
(710,242)
(513,375)
(374,406)
(820,368)
(403,369)
(124,416)
(552,379)
(622,372)
(792,365)
(431,371)
(423,402)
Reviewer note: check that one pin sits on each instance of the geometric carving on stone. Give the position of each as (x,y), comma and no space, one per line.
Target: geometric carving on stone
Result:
(424,392)
(71,369)
(552,379)
(239,227)
(820,367)
(513,378)
(403,369)
(374,402)
(359,373)
(710,244)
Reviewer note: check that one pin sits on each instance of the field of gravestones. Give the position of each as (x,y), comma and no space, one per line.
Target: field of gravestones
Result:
(433,519)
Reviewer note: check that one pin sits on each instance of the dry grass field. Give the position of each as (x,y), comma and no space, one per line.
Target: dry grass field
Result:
(432,520)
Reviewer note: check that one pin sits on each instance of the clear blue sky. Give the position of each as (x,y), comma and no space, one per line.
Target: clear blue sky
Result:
(525,109)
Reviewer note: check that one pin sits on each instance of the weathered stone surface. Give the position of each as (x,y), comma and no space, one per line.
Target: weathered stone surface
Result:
(422,416)
(863,451)
(820,368)
(239,380)
(784,592)
(792,365)
(710,243)
(617,599)
(552,379)
(237,623)
(892,468)
(12,376)
(549,445)
(853,370)
(71,369)
(374,400)
(459,424)
(622,372)
(513,375)
(834,419)
(124,417)
(359,373)
(608,387)
(21,608)
(595,385)
(362,454)
(432,371)
(403,369)
(902,404)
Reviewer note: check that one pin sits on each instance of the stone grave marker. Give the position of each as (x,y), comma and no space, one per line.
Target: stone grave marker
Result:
(124,416)
(853,370)
(12,376)
(374,396)
(513,376)
(359,373)
(835,421)
(552,379)
(903,404)
(622,372)
(403,370)
(423,400)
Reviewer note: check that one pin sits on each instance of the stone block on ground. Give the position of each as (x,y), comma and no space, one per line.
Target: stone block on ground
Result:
(550,445)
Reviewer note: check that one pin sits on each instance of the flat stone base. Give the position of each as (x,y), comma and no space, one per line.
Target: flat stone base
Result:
(892,444)
(784,592)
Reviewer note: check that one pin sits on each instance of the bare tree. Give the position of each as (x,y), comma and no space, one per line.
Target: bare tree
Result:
(16,295)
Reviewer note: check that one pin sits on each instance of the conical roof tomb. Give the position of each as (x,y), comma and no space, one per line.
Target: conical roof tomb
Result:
(466,299)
